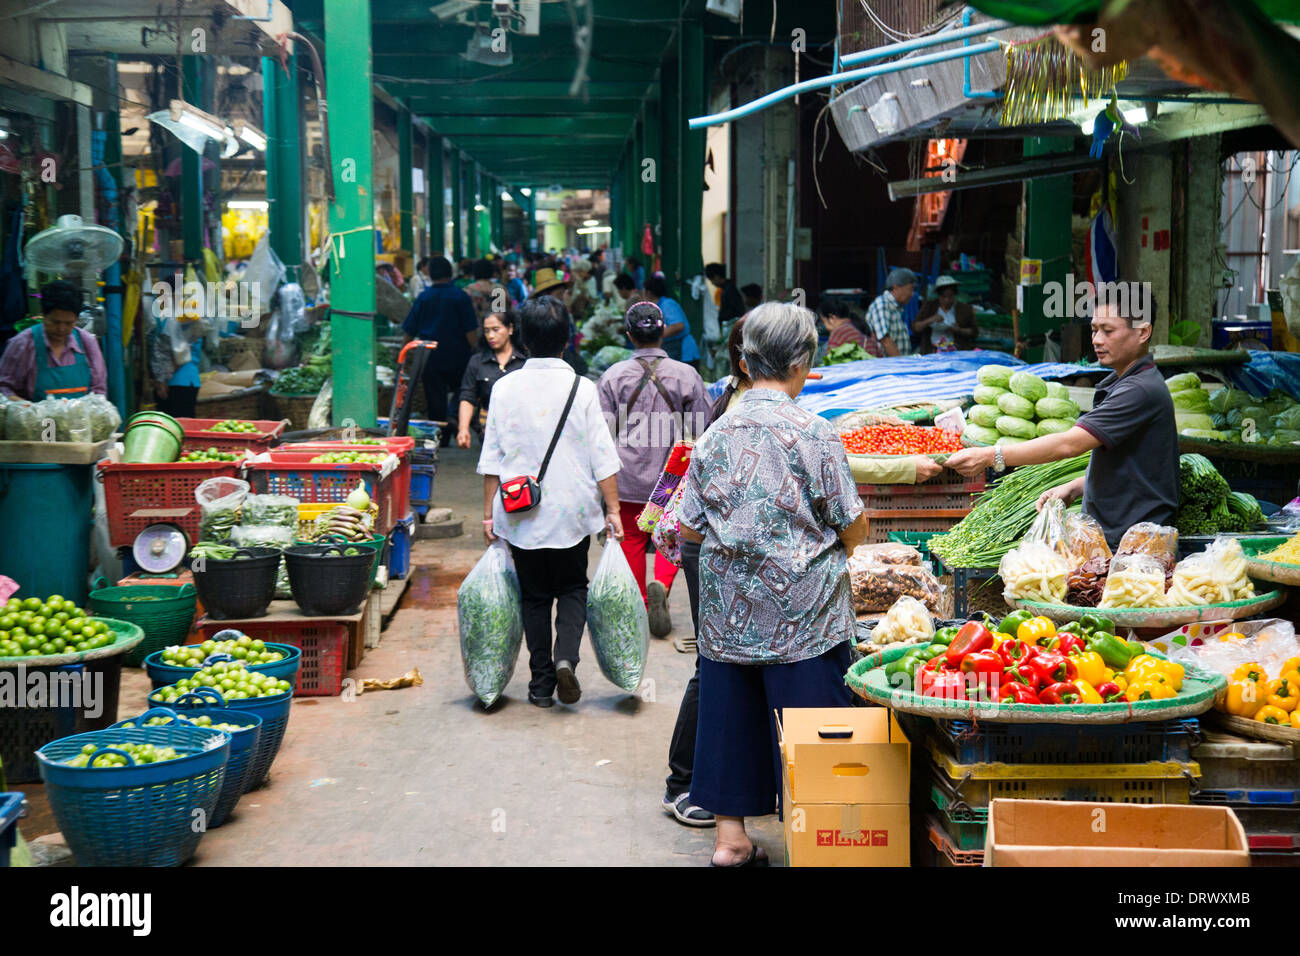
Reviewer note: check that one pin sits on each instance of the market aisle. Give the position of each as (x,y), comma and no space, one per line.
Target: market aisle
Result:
(423,776)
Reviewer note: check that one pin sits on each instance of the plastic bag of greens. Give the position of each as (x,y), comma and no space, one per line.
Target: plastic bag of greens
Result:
(616,619)
(22,422)
(52,413)
(104,417)
(219,500)
(76,425)
(275,510)
(267,536)
(491,622)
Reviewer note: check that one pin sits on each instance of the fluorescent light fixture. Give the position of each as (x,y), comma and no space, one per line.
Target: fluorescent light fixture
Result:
(1133,117)
(247,204)
(506,197)
(451,223)
(251,135)
(479,207)
(195,118)
(594,230)
(525,192)
(591,222)
(231,145)
(4,133)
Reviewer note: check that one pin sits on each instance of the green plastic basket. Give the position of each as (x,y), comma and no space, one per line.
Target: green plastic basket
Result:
(164,612)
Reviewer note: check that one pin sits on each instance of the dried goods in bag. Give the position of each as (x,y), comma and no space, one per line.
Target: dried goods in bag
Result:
(1032,571)
(490,618)
(1085,541)
(887,552)
(616,620)
(1149,538)
(1216,575)
(875,587)
(906,620)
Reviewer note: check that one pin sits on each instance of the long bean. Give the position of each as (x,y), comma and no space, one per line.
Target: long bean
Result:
(1002,514)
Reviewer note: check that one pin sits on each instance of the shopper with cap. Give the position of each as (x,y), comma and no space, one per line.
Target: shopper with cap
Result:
(650,402)
(945,324)
(550,282)
(885,316)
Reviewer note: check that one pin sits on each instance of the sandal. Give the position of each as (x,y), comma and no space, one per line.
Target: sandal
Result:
(685,645)
(686,812)
(757,857)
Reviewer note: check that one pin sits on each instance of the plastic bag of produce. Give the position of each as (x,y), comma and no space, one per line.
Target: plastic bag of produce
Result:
(1084,540)
(1028,385)
(491,622)
(1054,426)
(76,421)
(999,375)
(262,536)
(1135,580)
(275,510)
(104,417)
(985,415)
(616,620)
(1015,427)
(1086,583)
(887,552)
(906,620)
(52,413)
(875,587)
(1213,576)
(1288,419)
(1177,383)
(989,394)
(1033,572)
(1157,541)
(1016,406)
(1270,643)
(1048,529)
(979,435)
(1192,400)
(1050,407)
(22,422)
(219,500)
(5,402)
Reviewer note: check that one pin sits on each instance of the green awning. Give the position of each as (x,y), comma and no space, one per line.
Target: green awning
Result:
(1042,12)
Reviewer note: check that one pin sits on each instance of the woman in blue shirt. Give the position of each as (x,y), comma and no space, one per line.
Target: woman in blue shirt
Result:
(678,341)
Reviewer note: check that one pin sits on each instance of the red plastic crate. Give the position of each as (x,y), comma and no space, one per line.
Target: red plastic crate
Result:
(294,474)
(400,445)
(138,495)
(881,522)
(199,438)
(324,647)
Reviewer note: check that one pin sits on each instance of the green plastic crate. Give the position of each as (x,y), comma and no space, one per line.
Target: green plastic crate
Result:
(917,539)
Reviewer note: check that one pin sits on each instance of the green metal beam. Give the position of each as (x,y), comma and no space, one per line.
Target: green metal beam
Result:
(281,105)
(436,196)
(352,264)
(591,125)
(510,90)
(430,108)
(695,95)
(191,166)
(457,204)
(472,200)
(405,192)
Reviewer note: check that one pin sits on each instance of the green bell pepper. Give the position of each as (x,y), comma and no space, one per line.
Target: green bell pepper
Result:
(1011,623)
(911,654)
(1096,622)
(945,635)
(1074,627)
(1137,647)
(932,651)
(1114,651)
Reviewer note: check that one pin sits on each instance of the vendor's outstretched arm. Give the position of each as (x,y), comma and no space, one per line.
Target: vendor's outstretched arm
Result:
(1066,444)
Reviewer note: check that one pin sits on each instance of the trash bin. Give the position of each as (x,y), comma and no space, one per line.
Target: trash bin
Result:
(45,524)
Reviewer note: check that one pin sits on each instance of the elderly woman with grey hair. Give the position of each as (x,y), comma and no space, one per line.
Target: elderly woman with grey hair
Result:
(770,498)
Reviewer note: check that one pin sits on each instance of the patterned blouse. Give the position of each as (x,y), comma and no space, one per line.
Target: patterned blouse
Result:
(769,488)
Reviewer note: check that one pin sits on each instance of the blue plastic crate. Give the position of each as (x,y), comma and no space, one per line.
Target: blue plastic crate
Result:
(11,808)
(986,742)
(1251,797)
(399,553)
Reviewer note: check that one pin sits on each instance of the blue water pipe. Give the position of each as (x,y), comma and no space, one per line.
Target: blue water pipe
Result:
(113,358)
(966,91)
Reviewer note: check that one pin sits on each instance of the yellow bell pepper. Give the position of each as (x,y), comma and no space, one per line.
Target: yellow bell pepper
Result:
(1150,689)
(1120,681)
(1139,665)
(1108,674)
(1283,693)
(1232,636)
(1090,667)
(1035,628)
(1087,693)
(1291,665)
(1273,715)
(1295,719)
(1146,667)
(1244,698)
(1252,671)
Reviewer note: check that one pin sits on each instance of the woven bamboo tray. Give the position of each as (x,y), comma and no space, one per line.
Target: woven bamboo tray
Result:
(1279,572)
(866,678)
(295,408)
(1160,616)
(1257,729)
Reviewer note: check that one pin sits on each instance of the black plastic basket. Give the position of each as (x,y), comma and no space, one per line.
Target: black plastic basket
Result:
(239,587)
(326,581)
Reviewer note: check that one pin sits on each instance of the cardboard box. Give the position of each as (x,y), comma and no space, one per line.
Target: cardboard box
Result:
(1061,833)
(846,780)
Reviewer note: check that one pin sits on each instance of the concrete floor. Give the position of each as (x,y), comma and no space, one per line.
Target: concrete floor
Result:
(423,775)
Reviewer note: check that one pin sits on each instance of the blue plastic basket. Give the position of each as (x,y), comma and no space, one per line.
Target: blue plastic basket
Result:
(399,552)
(1251,797)
(11,808)
(422,486)
(274,712)
(287,668)
(1067,743)
(136,815)
(243,748)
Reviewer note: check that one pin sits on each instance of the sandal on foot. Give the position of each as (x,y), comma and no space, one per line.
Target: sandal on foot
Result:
(685,645)
(757,857)
(686,812)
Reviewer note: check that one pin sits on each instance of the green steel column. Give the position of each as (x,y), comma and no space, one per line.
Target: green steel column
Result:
(649,190)
(530,216)
(282,111)
(498,207)
(352,215)
(457,205)
(616,194)
(437,205)
(628,188)
(670,173)
(695,94)
(1048,203)
(192,166)
(405,194)
(638,194)
(475,198)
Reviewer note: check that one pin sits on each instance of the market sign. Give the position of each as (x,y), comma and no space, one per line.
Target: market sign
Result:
(1031,271)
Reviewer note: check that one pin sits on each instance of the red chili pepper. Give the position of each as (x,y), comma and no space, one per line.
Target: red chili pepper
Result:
(1015,693)
(1013,652)
(1023,673)
(1071,644)
(972,637)
(1055,666)
(1110,692)
(1062,693)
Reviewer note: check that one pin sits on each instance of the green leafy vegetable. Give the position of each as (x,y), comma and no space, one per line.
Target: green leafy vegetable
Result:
(1016,427)
(491,624)
(989,394)
(999,375)
(1028,385)
(986,415)
(1016,406)
(848,352)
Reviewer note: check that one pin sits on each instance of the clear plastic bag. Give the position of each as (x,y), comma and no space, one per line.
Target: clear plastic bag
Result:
(219,502)
(75,424)
(1270,643)
(1049,528)
(1084,540)
(1147,537)
(491,623)
(1135,580)
(274,510)
(889,552)
(877,587)
(22,422)
(906,620)
(1032,571)
(104,417)
(1216,575)
(617,621)
(261,536)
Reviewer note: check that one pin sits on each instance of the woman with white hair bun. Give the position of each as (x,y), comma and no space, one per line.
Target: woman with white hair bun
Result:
(770,498)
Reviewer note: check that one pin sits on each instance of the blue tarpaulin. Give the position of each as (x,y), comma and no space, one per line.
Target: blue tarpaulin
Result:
(1266,371)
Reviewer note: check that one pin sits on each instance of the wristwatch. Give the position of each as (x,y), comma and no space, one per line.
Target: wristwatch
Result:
(999,464)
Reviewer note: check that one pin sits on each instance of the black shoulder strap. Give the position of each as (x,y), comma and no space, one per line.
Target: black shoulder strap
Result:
(558,428)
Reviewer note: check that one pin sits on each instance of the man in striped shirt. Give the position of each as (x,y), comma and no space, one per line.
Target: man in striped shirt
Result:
(885,316)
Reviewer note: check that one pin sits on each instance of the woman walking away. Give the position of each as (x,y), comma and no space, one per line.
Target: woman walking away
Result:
(498,354)
(545,422)
(770,498)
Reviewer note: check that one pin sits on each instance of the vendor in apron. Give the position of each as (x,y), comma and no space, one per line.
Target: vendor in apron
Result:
(54,359)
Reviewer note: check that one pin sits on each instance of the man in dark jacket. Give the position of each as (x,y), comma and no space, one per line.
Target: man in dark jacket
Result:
(446,315)
(732,304)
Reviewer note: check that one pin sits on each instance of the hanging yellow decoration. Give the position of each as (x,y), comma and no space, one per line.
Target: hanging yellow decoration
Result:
(1046,80)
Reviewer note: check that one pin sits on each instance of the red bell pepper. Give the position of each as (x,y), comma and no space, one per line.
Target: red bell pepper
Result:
(1055,666)
(1013,652)
(1016,693)
(982,662)
(1021,673)
(972,637)
(1110,692)
(946,684)
(1071,644)
(1061,693)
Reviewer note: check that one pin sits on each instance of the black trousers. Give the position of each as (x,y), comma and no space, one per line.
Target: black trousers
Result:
(681,750)
(438,385)
(552,576)
(181,401)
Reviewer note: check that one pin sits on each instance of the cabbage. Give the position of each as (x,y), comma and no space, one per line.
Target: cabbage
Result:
(1052,426)
(1227,399)
(1192,400)
(979,435)
(1220,420)
(1057,390)
(1017,427)
(986,415)
(1011,404)
(1284,436)
(1056,408)
(1289,419)
(1193,420)
(999,375)
(1205,434)
(989,394)
(1011,440)
(1028,385)
(1177,383)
